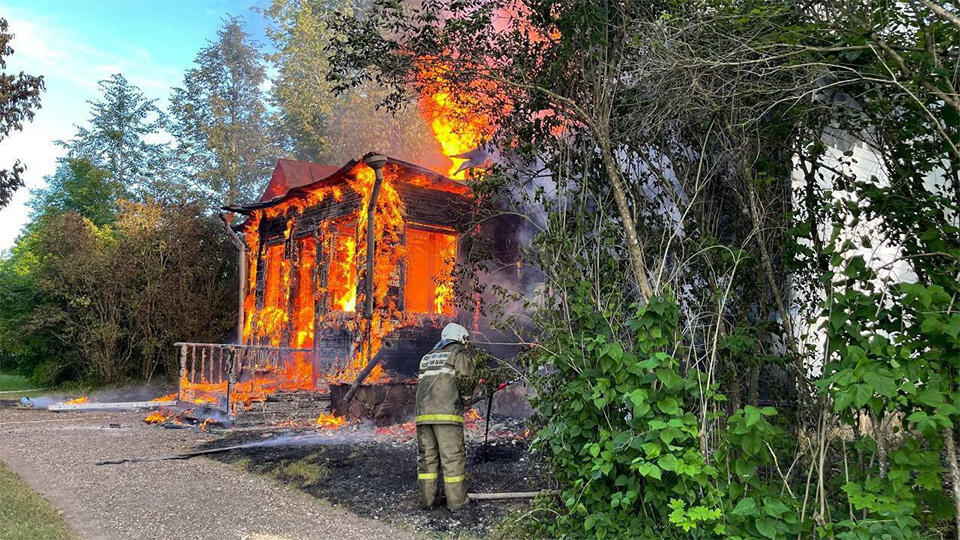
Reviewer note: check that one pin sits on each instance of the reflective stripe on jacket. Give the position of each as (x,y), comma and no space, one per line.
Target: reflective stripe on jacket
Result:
(445,385)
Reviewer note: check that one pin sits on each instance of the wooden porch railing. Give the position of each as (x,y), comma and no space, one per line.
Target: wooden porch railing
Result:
(221,375)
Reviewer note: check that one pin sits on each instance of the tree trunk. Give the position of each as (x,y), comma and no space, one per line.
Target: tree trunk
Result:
(951,449)
(753,392)
(767,263)
(736,389)
(626,217)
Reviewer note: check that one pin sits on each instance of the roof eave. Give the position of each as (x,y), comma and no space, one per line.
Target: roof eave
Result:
(247,209)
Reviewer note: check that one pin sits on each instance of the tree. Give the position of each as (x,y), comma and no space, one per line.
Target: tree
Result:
(82,302)
(300,90)
(19,99)
(107,303)
(21,348)
(178,281)
(318,123)
(114,267)
(220,121)
(78,186)
(118,137)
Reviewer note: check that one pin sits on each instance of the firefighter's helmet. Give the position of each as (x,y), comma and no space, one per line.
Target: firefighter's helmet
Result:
(454,332)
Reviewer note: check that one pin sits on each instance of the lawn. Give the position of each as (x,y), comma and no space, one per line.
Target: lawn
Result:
(26,514)
(15,382)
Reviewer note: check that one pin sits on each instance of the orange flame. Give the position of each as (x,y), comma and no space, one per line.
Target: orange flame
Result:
(443,292)
(455,137)
(454,118)
(471,417)
(388,230)
(430,257)
(78,400)
(158,416)
(304,305)
(329,421)
(343,279)
(462,113)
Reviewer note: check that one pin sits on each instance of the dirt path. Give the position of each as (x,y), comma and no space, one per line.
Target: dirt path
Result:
(191,499)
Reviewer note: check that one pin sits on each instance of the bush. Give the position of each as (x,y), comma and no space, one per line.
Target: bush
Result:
(106,303)
(622,431)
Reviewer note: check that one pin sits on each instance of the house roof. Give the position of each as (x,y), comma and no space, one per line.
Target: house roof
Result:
(292,177)
(291,174)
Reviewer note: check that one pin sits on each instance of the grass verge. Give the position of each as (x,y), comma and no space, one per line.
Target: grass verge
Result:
(305,472)
(10,382)
(26,514)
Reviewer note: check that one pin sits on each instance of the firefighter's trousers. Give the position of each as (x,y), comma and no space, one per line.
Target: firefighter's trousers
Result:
(441,446)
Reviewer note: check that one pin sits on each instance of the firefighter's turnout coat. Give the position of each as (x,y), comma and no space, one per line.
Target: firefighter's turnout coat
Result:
(446,381)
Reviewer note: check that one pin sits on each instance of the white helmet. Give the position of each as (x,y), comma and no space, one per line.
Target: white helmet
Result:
(454,332)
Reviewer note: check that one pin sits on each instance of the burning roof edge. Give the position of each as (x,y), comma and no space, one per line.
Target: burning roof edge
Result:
(438,179)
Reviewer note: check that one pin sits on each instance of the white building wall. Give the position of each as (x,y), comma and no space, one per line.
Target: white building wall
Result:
(880,253)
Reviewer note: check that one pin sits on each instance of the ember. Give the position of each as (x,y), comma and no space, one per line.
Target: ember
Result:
(405,430)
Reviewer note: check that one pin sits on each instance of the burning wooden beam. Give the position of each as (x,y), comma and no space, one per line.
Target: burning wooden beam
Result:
(119,405)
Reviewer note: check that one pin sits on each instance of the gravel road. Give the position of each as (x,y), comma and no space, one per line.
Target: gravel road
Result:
(189,499)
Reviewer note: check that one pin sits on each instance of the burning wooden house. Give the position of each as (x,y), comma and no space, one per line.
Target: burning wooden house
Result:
(346,273)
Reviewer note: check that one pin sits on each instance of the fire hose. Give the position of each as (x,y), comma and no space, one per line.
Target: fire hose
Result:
(489,397)
(499,387)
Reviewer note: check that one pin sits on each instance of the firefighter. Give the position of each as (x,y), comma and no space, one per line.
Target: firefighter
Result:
(444,390)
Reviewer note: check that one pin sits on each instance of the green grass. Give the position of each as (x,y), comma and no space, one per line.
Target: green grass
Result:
(13,387)
(26,514)
(15,382)
(307,471)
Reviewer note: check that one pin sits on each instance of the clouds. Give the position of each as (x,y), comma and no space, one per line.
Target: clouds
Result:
(75,44)
(44,44)
(71,62)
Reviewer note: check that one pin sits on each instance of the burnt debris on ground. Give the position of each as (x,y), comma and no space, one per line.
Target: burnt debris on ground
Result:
(373,472)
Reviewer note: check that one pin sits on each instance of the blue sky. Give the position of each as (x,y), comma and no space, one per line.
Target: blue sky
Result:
(75,43)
